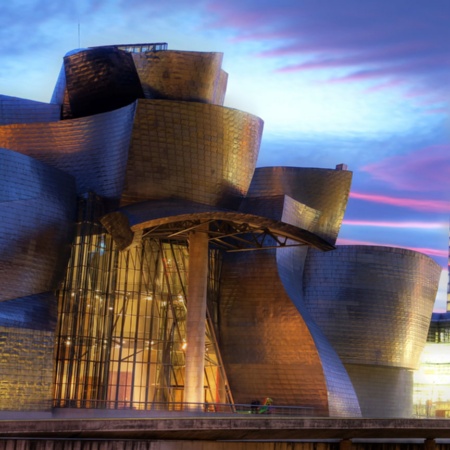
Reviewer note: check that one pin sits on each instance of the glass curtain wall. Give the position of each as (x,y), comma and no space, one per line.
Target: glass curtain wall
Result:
(121,331)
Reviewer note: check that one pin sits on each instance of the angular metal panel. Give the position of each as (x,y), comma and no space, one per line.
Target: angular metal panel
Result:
(37,207)
(373,303)
(93,149)
(325,190)
(181,75)
(193,151)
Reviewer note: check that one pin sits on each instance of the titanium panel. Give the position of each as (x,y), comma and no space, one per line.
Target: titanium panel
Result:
(373,303)
(37,208)
(325,190)
(93,150)
(192,151)
(282,208)
(26,369)
(35,312)
(383,392)
(269,348)
(99,80)
(342,398)
(19,110)
(181,75)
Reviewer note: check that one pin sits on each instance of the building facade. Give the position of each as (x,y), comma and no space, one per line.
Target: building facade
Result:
(148,264)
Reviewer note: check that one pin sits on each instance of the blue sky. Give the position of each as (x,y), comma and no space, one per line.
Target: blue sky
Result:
(360,82)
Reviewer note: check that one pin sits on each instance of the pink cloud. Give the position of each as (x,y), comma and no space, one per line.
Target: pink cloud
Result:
(398,40)
(438,206)
(425,170)
(390,224)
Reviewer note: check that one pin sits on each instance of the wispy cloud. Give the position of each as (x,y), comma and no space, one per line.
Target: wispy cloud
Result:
(425,170)
(437,206)
(399,224)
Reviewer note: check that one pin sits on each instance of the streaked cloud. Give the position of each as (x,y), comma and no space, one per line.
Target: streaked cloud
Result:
(437,206)
(404,225)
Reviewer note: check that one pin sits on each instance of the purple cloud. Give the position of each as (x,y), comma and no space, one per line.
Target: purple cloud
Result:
(377,41)
(425,170)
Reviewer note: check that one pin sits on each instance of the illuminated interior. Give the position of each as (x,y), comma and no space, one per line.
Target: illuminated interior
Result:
(121,334)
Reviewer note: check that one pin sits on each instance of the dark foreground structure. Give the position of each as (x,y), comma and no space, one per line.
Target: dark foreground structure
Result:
(148,266)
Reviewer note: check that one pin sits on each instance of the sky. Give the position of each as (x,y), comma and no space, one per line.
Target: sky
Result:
(360,82)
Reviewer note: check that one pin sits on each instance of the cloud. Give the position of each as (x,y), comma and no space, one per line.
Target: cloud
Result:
(383,41)
(424,170)
(426,205)
(399,224)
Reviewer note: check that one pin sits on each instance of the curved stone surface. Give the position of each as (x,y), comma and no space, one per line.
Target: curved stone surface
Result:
(93,149)
(193,151)
(99,80)
(267,346)
(181,75)
(325,190)
(19,110)
(373,303)
(37,209)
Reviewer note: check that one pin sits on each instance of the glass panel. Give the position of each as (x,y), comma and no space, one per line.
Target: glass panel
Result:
(121,340)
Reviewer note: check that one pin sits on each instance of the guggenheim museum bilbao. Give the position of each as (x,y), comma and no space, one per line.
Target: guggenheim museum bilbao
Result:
(147,264)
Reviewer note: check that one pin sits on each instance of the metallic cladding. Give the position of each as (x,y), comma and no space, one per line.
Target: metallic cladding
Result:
(35,312)
(282,208)
(99,80)
(193,151)
(266,346)
(373,303)
(37,207)
(383,392)
(19,110)
(181,75)
(92,149)
(26,369)
(342,399)
(325,190)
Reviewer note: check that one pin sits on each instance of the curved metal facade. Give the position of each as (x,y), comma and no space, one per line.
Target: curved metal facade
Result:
(325,190)
(374,304)
(99,80)
(194,151)
(271,349)
(19,110)
(37,205)
(180,75)
(336,332)
(93,149)
(364,298)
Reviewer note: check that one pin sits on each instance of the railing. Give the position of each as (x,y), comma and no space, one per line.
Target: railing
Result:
(181,407)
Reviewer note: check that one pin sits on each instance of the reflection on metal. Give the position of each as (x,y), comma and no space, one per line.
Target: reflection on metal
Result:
(192,151)
(375,305)
(325,190)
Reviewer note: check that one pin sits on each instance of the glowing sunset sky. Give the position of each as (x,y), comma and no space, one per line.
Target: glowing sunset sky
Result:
(360,82)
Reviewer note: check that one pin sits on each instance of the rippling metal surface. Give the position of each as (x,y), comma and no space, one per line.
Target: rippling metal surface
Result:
(37,204)
(92,149)
(181,75)
(374,304)
(193,151)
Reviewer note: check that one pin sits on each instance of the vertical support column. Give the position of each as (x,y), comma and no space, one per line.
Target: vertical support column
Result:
(195,319)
